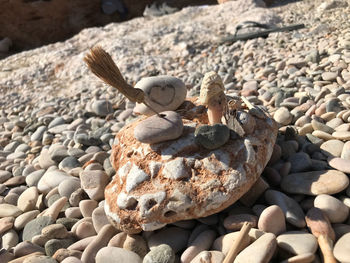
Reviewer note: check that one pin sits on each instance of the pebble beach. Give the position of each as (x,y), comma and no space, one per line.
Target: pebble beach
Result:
(58,124)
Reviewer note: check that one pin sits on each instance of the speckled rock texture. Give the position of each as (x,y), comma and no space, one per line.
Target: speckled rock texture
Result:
(157,184)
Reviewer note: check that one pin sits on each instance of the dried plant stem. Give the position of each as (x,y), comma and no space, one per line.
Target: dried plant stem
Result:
(103,66)
(236,247)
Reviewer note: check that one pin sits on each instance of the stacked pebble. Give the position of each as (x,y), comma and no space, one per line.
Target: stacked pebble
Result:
(54,156)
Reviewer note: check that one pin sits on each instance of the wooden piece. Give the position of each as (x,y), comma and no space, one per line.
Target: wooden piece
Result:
(237,245)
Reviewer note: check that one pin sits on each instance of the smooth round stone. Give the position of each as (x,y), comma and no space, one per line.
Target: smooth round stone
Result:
(315,182)
(224,242)
(71,260)
(321,127)
(53,245)
(322,135)
(58,152)
(235,222)
(9,239)
(283,116)
(54,231)
(33,178)
(260,250)
(94,183)
(300,162)
(209,257)
(307,128)
(68,186)
(162,93)
(154,129)
(110,254)
(26,248)
(137,244)
(212,137)
(85,229)
(272,220)
(101,107)
(291,209)
(51,179)
(329,76)
(297,242)
(341,135)
(160,254)
(7,210)
(69,163)
(87,207)
(6,223)
(63,253)
(304,258)
(332,147)
(34,227)
(339,164)
(334,209)
(4,176)
(24,218)
(342,248)
(27,200)
(175,237)
(202,242)
(345,154)
(99,218)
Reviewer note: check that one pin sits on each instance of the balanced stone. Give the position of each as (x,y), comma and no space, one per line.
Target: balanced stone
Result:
(157,184)
(315,182)
(158,128)
(212,137)
(162,93)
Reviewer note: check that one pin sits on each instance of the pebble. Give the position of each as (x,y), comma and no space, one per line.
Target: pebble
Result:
(272,220)
(25,248)
(9,239)
(99,218)
(24,218)
(283,116)
(175,237)
(260,250)
(109,254)
(163,93)
(235,222)
(334,209)
(39,259)
(342,248)
(154,129)
(300,162)
(340,164)
(63,253)
(297,242)
(68,186)
(137,244)
(34,227)
(332,147)
(203,242)
(27,200)
(212,137)
(7,210)
(224,242)
(87,207)
(53,245)
(291,209)
(6,223)
(315,182)
(71,260)
(209,257)
(94,183)
(160,254)
(304,258)
(51,179)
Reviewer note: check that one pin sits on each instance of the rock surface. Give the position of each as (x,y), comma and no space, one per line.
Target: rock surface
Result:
(178,180)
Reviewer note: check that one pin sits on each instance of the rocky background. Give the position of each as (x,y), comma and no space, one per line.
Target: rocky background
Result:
(58,122)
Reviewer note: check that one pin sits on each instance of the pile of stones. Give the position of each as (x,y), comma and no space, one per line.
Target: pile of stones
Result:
(55,147)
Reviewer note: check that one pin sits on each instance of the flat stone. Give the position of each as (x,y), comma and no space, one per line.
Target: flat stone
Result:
(332,147)
(315,182)
(26,248)
(159,129)
(272,220)
(345,154)
(51,179)
(212,137)
(321,127)
(162,93)
(24,218)
(94,183)
(297,242)
(109,254)
(7,210)
(27,200)
(334,209)
(329,75)
(34,227)
(197,181)
(260,250)
(340,164)
(342,248)
(341,135)
(291,209)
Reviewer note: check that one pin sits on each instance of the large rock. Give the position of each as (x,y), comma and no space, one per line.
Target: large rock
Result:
(157,184)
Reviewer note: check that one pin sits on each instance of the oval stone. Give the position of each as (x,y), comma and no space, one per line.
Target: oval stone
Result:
(297,242)
(162,93)
(159,128)
(342,248)
(334,209)
(339,164)
(315,182)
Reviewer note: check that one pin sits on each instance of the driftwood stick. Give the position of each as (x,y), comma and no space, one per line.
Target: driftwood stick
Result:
(237,245)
